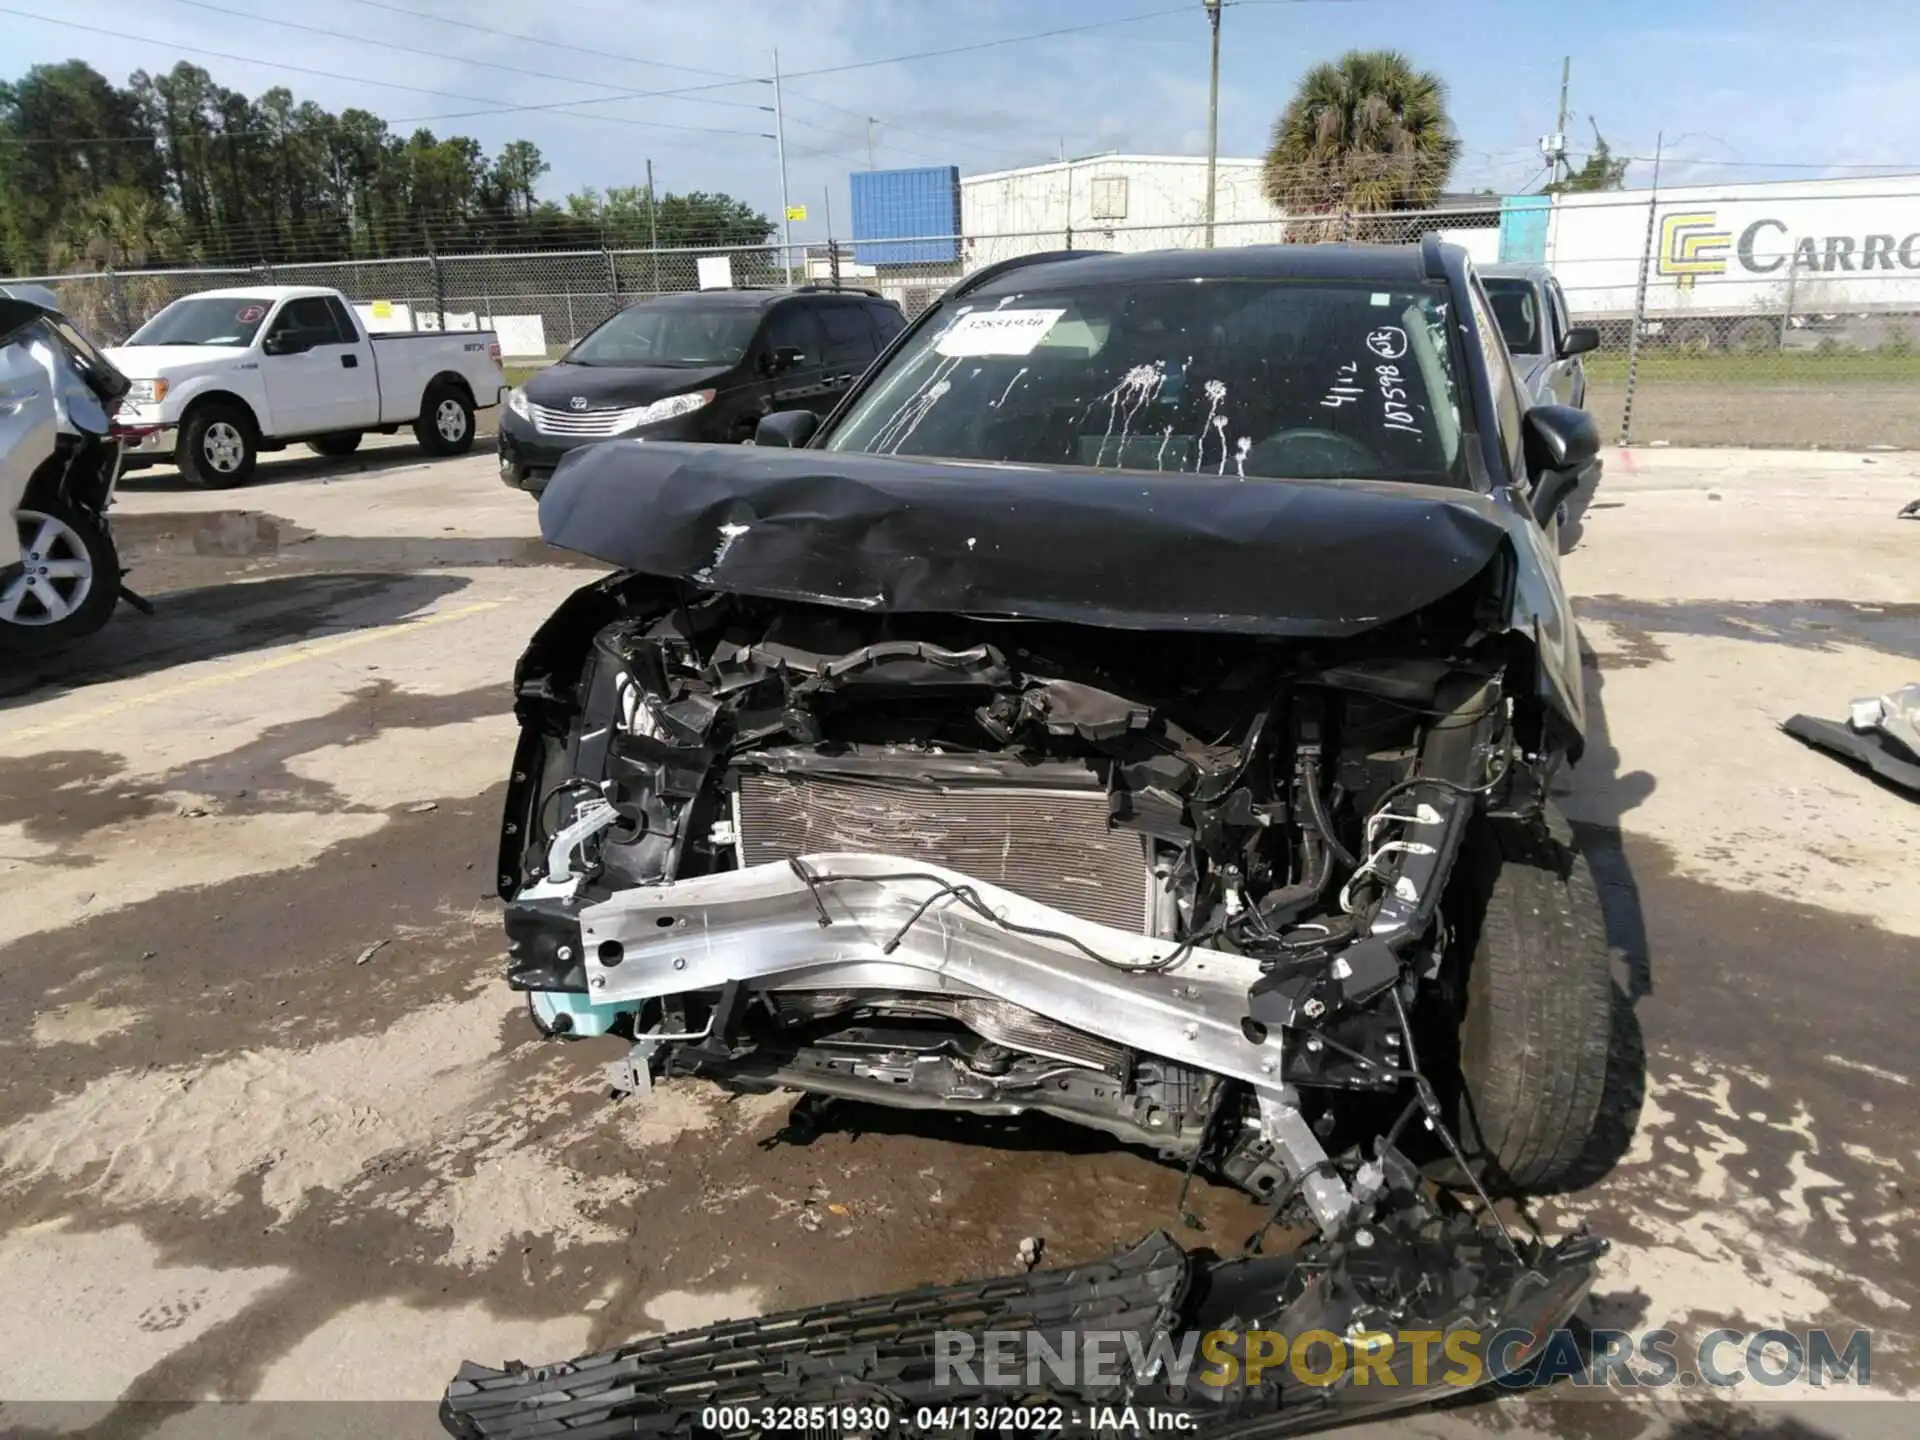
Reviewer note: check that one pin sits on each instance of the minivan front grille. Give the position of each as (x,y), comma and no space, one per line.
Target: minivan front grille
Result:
(549,421)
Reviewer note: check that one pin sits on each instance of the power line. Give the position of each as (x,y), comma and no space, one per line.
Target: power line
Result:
(728,79)
(604,54)
(526,39)
(989,44)
(621,91)
(556,105)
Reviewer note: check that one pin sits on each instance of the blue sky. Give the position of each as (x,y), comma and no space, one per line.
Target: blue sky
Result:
(1757,90)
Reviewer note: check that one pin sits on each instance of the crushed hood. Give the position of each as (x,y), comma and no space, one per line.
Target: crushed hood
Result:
(1126,550)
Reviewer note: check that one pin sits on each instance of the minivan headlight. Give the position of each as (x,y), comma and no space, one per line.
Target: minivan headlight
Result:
(671,408)
(517,403)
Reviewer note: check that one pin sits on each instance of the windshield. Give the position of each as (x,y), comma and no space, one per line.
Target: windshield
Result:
(206,320)
(648,334)
(1261,379)
(1517,308)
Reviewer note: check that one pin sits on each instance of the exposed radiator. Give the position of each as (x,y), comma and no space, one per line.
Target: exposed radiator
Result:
(1050,845)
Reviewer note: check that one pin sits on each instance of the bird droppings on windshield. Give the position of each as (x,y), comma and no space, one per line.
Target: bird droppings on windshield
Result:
(1135,390)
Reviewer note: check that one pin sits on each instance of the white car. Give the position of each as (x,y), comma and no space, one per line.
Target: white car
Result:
(59,460)
(222,375)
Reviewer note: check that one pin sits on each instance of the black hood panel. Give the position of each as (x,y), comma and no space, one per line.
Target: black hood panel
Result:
(1118,549)
(614,387)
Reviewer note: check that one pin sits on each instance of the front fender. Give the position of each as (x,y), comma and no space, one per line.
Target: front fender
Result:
(195,389)
(1539,611)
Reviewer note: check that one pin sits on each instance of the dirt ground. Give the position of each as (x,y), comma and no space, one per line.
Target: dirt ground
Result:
(1849,415)
(274,1130)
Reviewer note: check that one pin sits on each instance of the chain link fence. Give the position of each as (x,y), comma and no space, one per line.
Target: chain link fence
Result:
(1757,315)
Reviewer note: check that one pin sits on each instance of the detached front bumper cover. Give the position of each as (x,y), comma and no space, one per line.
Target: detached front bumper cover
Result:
(1162,1318)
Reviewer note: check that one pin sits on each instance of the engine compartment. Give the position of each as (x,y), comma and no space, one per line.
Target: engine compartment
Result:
(1286,809)
(1246,765)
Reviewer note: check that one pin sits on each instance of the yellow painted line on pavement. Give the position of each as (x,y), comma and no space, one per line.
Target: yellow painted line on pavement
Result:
(297,656)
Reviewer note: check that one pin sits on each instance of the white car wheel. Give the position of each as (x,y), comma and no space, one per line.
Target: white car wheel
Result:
(450,419)
(224,446)
(58,574)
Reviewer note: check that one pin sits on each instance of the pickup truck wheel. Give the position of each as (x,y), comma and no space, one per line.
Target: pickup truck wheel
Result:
(1535,1023)
(68,581)
(345,443)
(445,426)
(217,447)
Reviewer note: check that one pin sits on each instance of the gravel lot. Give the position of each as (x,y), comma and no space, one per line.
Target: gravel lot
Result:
(242,1158)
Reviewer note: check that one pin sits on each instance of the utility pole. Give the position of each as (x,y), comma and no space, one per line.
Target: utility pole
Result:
(833,246)
(653,230)
(870,124)
(780,141)
(1561,169)
(1213,111)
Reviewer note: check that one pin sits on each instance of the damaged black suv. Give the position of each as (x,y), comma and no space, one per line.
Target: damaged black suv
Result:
(1137,702)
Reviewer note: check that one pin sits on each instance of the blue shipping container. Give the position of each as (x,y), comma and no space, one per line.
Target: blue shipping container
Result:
(917,211)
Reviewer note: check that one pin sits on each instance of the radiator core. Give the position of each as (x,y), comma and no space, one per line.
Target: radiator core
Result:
(1052,845)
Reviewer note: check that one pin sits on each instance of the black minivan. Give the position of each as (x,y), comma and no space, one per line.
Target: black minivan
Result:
(705,365)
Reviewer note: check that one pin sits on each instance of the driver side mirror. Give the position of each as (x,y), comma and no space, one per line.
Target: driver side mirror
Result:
(783,359)
(1559,442)
(786,429)
(287,342)
(1580,339)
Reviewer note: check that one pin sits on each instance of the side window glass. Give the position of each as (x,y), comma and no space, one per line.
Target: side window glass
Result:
(342,321)
(1557,315)
(849,335)
(792,325)
(1493,353)
(887,323)
(309,316)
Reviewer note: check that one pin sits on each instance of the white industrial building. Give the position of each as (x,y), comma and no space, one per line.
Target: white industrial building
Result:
(1100,202)
(1116,202)
(1134,202)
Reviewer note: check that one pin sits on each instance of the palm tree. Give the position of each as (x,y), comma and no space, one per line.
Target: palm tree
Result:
(1365,134)
(117,230)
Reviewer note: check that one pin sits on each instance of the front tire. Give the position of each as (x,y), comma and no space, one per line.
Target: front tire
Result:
(1535,1022)
(445,426)
(69,583)
(218,447)
(336,446)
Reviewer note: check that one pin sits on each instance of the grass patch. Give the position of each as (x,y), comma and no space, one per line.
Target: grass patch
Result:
(1779,367)
(517,373)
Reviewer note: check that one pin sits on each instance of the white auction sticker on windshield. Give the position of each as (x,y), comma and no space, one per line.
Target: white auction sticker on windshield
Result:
(997,332)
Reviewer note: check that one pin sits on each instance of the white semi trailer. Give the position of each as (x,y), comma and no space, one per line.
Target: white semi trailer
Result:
(1739,266)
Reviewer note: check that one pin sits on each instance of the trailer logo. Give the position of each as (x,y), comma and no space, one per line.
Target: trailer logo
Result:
(1690,246)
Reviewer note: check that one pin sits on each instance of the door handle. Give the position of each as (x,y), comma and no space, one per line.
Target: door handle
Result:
(350,362)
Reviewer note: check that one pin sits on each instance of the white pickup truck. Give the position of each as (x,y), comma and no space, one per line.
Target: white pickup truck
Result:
(222,375)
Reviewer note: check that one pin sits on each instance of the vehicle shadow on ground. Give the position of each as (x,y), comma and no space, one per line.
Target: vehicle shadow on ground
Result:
(297,463)
(1599,794)
(214,621)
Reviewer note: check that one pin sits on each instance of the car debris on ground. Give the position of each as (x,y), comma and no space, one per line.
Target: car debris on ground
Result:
(1881,734)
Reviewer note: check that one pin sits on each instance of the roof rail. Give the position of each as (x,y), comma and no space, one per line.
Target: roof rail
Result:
(815,286)
(1431,260)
